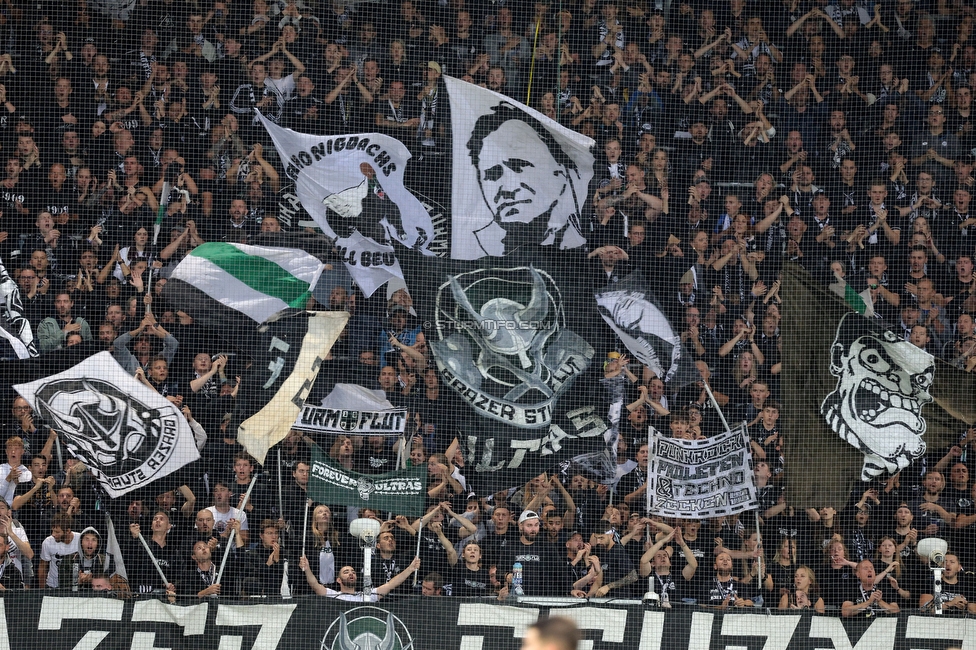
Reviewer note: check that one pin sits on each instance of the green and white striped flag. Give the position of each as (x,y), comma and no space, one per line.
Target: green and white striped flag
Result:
(862,302)
(257,281)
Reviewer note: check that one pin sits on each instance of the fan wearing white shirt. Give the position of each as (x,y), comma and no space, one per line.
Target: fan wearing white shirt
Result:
(13,471)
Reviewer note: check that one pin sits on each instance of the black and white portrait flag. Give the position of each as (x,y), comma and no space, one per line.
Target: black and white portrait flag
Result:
(531,175)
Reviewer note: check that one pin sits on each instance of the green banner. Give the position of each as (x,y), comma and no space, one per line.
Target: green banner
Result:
(403,492)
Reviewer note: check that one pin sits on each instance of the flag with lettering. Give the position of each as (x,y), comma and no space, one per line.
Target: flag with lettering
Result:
(692,479)
(124,431)
(353,188)
(402,491)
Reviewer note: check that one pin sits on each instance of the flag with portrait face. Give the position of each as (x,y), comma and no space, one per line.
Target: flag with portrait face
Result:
(531,175)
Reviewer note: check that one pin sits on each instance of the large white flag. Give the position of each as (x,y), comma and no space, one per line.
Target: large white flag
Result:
(519,178)
(126,433)
(258,281)
(353,184)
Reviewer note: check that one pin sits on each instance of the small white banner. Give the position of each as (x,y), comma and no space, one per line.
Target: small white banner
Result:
(701,478)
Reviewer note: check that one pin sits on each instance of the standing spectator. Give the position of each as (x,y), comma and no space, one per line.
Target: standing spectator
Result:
(141,568)
(540,562)
(61,543)
(13,472)
(262,567)
(53,331)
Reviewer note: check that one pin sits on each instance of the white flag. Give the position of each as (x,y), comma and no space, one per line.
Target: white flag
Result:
(126,433)
(353,185)
(519,178)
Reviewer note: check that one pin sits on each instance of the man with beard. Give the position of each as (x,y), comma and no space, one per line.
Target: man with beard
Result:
(656,563)
(618,570)
(540,561)
(583,567)
(865,598)
(930,510)
(347,582)
(722,590)
(958,589)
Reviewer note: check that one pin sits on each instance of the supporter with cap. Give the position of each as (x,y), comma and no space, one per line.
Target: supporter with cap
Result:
(540,561)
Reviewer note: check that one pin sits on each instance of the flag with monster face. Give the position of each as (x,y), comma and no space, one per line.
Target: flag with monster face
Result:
(860,402)
(883,382)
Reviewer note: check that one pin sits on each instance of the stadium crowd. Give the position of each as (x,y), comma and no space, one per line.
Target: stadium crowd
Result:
(732,136)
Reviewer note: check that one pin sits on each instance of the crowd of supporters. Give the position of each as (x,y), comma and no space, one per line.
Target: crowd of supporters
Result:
(731,137)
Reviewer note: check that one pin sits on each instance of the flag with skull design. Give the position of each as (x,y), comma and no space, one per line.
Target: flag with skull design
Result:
(851,378)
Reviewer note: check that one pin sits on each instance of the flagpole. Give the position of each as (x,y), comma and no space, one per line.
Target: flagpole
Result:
(154,560)
(649,594)
(161,210)
(419,530)
(715,404)
(305,526)
(149,289)
(281,501)
(535,42)
(57,448)
(230,538)
(745,434)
